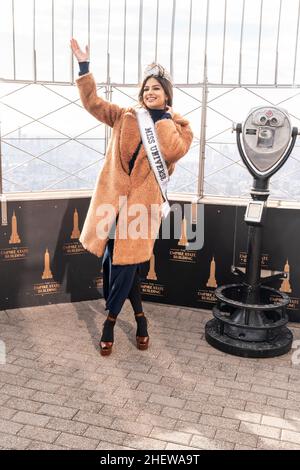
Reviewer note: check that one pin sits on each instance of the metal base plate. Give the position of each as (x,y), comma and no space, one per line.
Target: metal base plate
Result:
(281,345)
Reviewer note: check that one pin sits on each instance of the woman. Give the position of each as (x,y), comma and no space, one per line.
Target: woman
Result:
(126,182)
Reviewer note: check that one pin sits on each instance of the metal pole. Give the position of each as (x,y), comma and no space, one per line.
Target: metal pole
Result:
(189,46)
(2,196)
(14,37)
(89,26)
(255,232)
(52,32)
(108,44)
(124,40)
(241,42)
(203,133)
(253,264)
(259,42)
(156,30)
(140,42)
(34,49)
(277,43)
(224,39)
(172,40)
(72,33)
(203,115)
(108,89)
(1,187)
(296,44)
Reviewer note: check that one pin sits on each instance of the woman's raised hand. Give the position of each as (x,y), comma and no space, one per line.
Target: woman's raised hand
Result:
(78,53)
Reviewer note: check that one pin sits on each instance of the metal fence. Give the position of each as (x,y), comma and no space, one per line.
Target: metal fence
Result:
(225,57)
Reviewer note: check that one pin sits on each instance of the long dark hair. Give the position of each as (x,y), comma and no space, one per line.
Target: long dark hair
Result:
(166,85)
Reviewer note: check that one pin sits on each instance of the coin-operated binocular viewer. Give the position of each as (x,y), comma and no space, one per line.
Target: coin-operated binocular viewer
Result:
(250,318)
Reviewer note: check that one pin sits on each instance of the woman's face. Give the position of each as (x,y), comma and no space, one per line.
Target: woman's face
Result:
(154,96)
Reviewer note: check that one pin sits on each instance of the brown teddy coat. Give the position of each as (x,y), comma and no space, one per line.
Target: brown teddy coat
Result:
(174,136)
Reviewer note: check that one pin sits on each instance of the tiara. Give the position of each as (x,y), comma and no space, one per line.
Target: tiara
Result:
(156,70)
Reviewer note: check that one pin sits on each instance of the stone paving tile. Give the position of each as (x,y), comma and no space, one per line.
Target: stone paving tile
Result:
(265,443)
(249,396)
(72,392)
(171,436)
(6,413)
(50,398)
(12,379)
(195,428)
(290,414)
(182,415)
(42,386)
(67,425)
(57,411)
(289,386)
(3,396)
(139,442)
(10,369)
(155,420)
(115,412)
(242,415)
(290,436)
(35,374)
(9,441)
(107,434)
(290,424)
(242,447)
(166,401)
(113,384)
(38,445)
(28,354)
(172,446)
(219,422)
(33,419)
(85,405)
(110,446)
(237,437)
(112,371)
(137,395)
(189,385)
(232,385)
(155,388)
(235,403)
(260,430)
(93,418)
(9,427)
(132,406)
(202,442)
(270,391)
(264,409)
(131,427)
(107,399)
(180,394)
(38,434)
(77,442)
(284,403)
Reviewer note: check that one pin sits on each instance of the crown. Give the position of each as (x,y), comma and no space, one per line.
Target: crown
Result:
(157,70)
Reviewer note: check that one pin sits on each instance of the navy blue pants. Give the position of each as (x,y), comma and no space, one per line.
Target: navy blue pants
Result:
(120,282)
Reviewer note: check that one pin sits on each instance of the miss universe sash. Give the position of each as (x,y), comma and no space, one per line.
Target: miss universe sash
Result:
(154,155)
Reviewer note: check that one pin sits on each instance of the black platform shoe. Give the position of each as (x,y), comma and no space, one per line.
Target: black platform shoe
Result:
(107,338)
(142,337)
